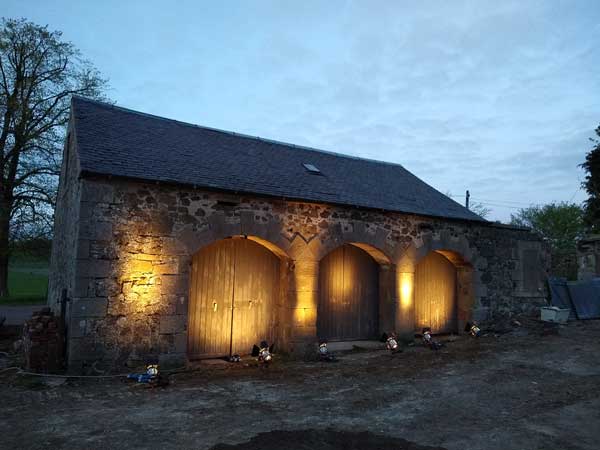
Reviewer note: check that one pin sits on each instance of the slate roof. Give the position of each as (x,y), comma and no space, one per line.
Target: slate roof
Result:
(120,142)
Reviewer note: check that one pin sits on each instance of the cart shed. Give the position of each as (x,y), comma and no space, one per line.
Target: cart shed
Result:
(177,242)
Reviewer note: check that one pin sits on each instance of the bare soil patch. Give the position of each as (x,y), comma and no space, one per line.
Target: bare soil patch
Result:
(513,391)
(324,440)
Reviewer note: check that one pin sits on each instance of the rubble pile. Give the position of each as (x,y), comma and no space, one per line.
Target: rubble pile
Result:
(43,342)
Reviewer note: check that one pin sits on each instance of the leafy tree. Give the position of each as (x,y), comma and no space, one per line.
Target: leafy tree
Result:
(592,185)
(560,224)
(38,74)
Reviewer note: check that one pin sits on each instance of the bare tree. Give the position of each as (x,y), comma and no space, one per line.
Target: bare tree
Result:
(480,209)
(39,73)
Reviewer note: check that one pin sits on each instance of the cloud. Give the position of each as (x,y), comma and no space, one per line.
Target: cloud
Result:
(495,97)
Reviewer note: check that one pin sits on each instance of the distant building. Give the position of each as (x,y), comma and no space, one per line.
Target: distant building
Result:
(176,242)
(588,257)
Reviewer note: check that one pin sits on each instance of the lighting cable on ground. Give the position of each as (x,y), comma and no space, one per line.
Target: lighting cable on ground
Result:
(20,371)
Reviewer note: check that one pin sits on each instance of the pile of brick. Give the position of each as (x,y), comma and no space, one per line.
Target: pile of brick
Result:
(43,342)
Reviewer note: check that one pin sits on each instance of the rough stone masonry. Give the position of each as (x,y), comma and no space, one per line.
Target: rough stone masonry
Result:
(133,243)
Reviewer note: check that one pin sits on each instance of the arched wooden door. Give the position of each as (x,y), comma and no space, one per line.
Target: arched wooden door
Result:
(349,295)
(234,286)
(435,294)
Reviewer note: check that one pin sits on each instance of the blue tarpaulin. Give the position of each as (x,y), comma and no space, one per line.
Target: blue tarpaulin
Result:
(559,295)
(581,297)
(585,296)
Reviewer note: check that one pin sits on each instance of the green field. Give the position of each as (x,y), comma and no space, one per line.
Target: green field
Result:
(27,281)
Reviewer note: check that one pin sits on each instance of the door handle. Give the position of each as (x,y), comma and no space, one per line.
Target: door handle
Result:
(215,306)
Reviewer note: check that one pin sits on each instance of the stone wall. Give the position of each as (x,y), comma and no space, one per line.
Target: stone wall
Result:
(135,241)
(66,227)
(565,264)
(588,257)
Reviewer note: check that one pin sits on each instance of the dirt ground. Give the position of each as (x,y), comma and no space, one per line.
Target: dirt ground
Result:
(517,390)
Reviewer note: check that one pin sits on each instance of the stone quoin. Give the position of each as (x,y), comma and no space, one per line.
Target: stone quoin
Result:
(174,242)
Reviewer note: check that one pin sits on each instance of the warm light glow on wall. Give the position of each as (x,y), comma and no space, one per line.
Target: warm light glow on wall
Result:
(406,289)
(304,317)
(141,287)
(306,284)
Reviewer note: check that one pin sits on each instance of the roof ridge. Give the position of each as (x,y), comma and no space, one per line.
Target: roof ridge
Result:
(234,133)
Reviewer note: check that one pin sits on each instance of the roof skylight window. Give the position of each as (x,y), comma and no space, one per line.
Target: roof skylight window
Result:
(312,168)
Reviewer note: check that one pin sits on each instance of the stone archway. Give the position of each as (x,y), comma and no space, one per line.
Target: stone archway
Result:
(235,296)
(268,236)
(348,306)
(297,311)
(457,251)
(443,283)
(354,293)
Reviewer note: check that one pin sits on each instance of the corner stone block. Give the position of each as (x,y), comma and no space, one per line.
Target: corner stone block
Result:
(139,266)
(480,314)
(96,192)
(174,284)
(181,306)
(304,317)
(84,349)
(310,317)
(89,307)
(173,324)
(406,260)
(517,275)
(480,290)
(381,236)
(174,247)
(247,221)
(85,210)
(180,342)
(93,268)
(306,275)
(172,360)
(298,249)
(304,333)
(83,249)
(103,231)
(77,327)
(86,229)
(81,287)
(170,267)
(482,264)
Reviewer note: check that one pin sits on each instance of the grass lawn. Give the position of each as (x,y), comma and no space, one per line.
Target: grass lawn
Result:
(27,281)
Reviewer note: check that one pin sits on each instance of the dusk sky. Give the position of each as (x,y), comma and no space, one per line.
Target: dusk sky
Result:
(497,97)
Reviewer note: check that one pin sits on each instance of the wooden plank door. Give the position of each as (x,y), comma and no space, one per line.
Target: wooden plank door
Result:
(256,289)
(435,294)
(234,285)
(211,294)
(349,295)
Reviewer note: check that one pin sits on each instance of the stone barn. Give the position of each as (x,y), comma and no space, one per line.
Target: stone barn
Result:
(179,242)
